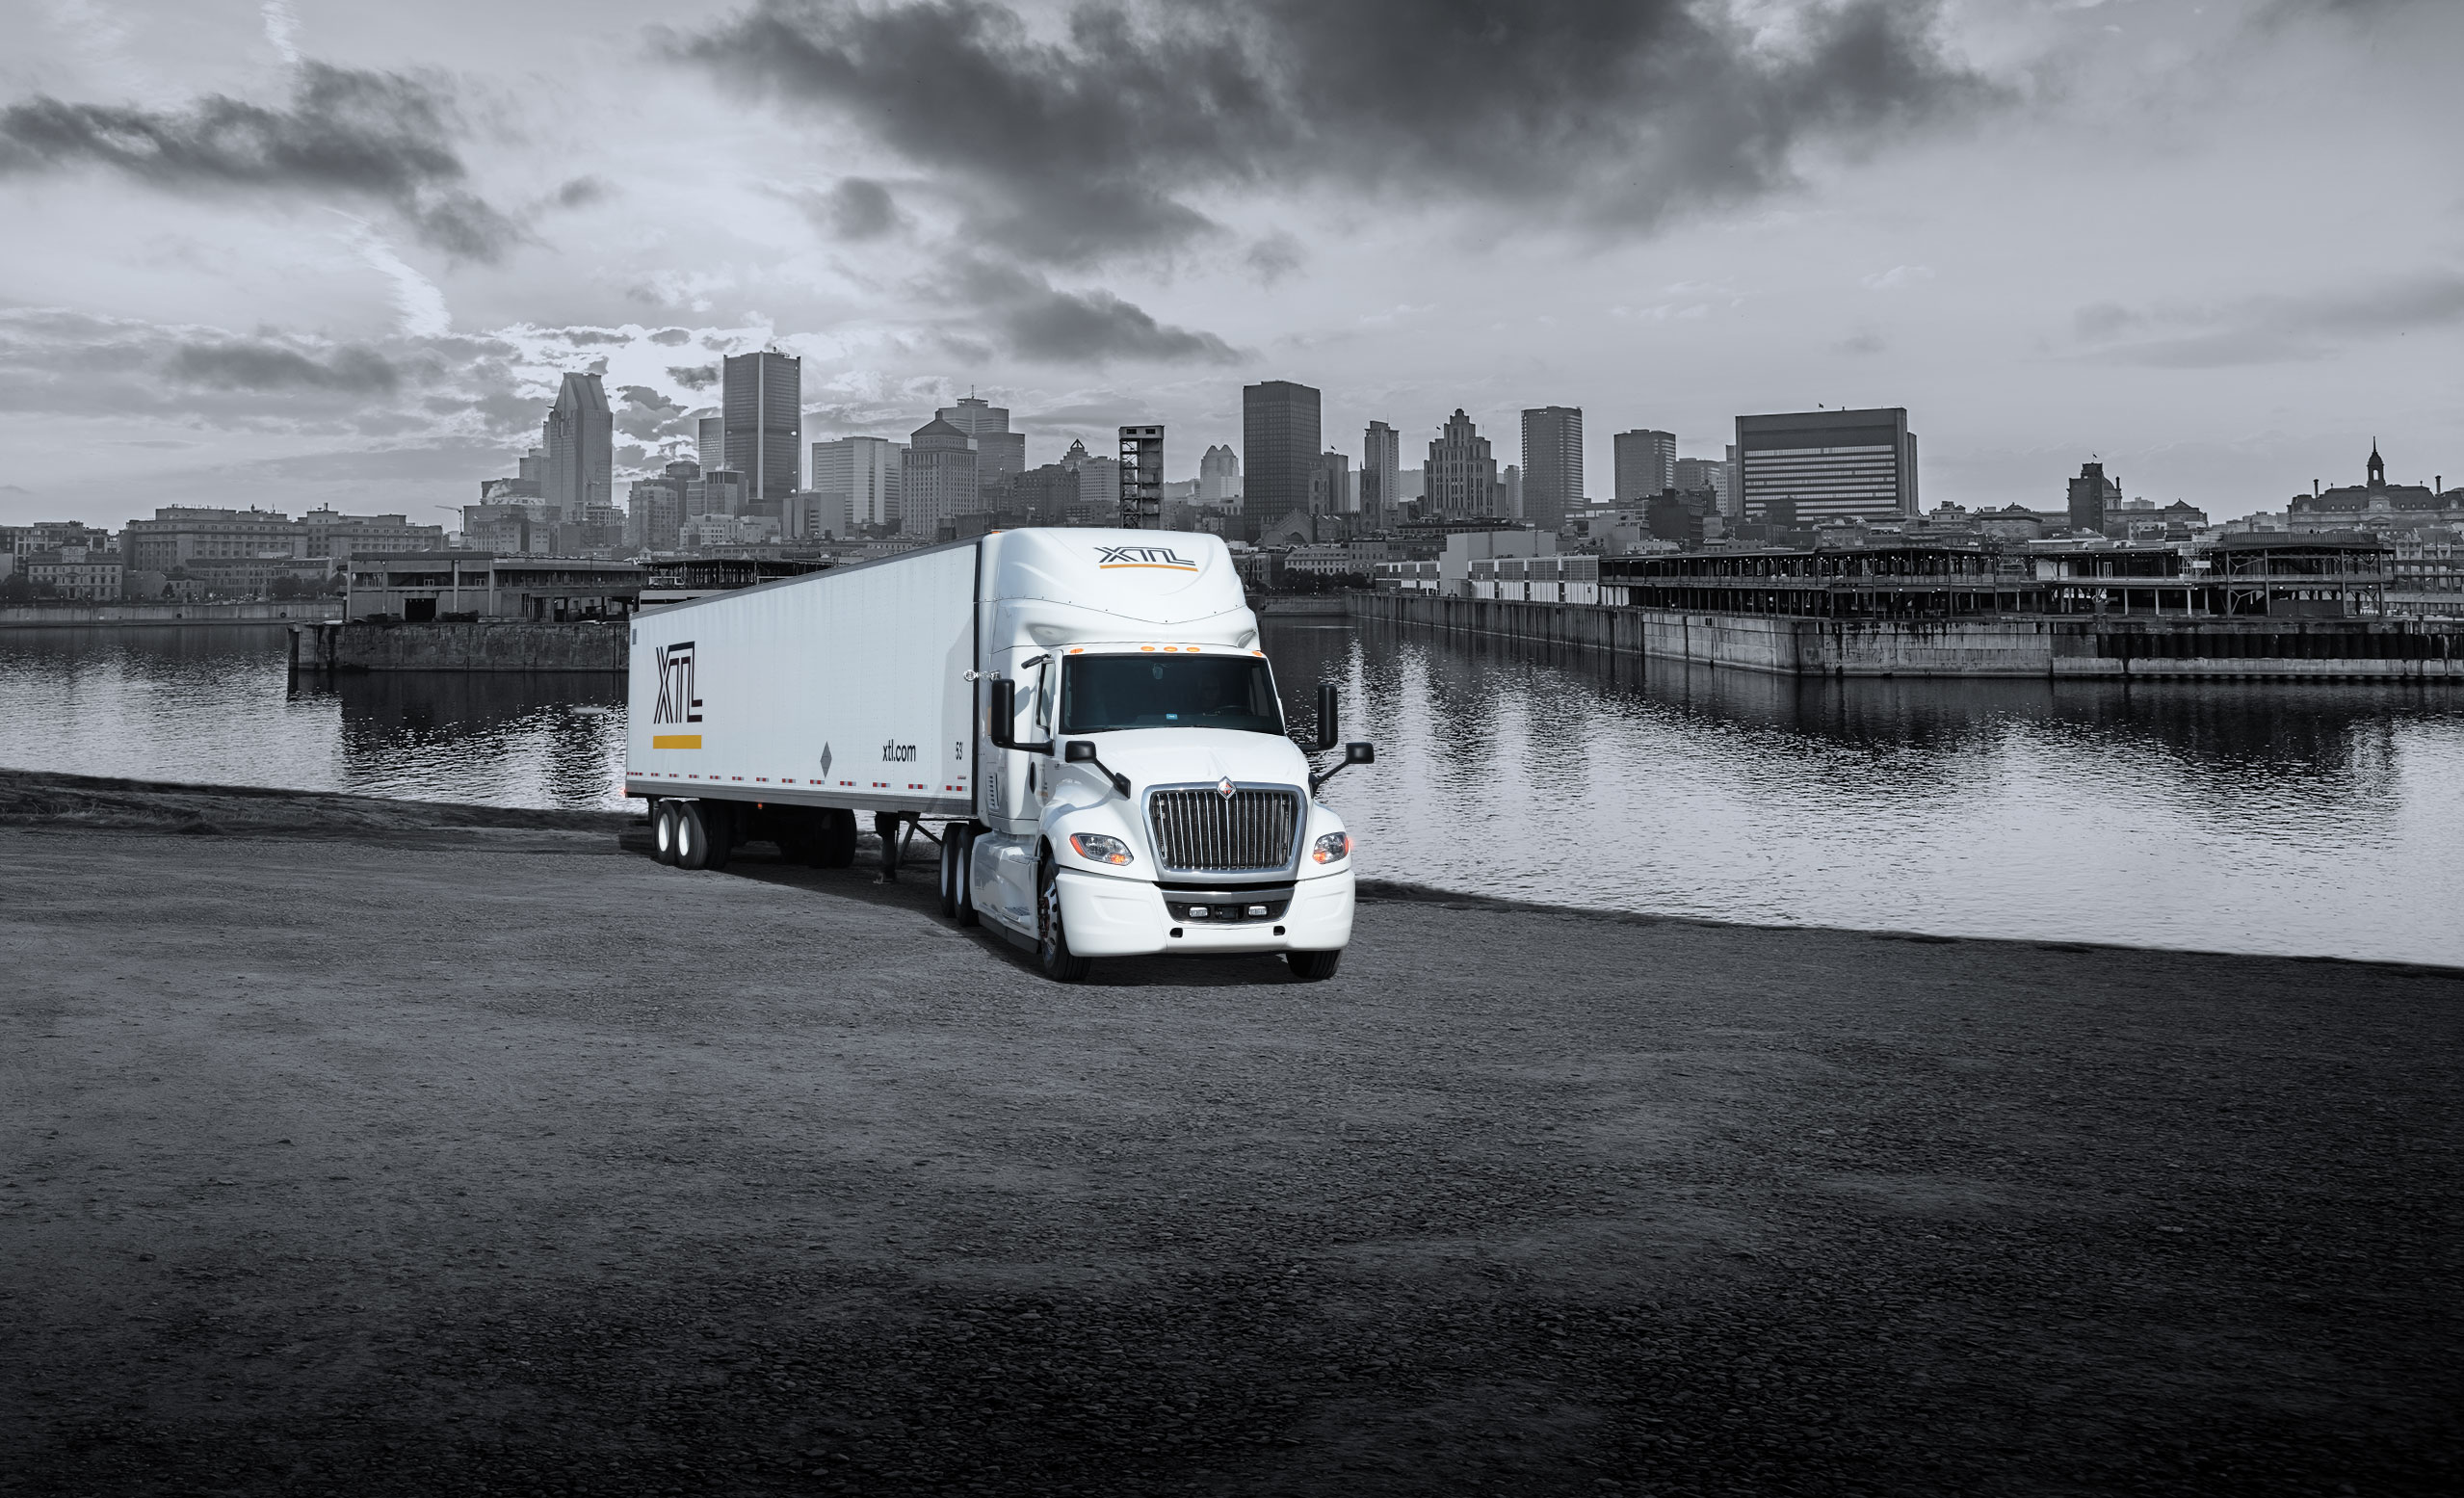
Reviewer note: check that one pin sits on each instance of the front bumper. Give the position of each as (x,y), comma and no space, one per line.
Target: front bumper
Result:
(1118,917)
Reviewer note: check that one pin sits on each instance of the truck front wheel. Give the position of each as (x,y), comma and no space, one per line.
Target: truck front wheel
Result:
(1052,947)
(1314,967)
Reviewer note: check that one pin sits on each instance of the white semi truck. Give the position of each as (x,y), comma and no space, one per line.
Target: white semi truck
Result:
(1085,714)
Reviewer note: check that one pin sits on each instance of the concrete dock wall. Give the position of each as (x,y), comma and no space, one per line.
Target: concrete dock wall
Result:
(82,614)
(2016,648)
(504,645)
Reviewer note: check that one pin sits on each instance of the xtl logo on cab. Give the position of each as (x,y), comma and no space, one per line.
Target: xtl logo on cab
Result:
(1110,557)
(677,702)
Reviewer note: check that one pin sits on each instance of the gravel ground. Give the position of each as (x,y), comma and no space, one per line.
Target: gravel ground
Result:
(387,1166)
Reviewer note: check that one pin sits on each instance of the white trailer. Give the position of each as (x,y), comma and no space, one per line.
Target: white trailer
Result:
(1085,714)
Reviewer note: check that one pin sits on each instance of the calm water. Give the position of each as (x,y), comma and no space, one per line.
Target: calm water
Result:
(2244,817)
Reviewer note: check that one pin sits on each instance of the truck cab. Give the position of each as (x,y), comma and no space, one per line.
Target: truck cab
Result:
(1140,791)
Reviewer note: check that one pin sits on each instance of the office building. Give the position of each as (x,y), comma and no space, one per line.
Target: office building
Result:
(1099,486)
(762,406)
(862,476)
(179,535)
(1646,464)
(1826,467)
(1510,487)
(2092,496)
(1001,454)
(654,509)
(1219,476)
(1330,485)
(938,480)
(1279,451)
(338,538)
(1380,471)
(1460,477)
(1551,474)
(711,448)
(1706,476)
(580,450)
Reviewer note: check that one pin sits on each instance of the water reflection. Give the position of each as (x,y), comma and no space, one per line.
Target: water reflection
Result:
(2260,817)
(2249,817)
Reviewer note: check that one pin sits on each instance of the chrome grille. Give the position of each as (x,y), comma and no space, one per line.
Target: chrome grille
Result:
(1204,828)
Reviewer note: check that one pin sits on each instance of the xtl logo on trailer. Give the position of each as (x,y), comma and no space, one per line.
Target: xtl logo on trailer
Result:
(677,702)
(1110,557)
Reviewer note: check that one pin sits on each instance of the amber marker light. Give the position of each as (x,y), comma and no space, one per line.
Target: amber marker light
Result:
(1096,848)
(1331,847)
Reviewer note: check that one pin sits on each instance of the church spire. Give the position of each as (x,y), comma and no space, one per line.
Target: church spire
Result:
(2377,467)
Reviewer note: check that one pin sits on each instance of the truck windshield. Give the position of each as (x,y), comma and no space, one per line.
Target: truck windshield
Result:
(1103,694)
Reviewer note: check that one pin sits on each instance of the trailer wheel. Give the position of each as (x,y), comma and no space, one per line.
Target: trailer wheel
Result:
(1052,948)
(965,838)
(663,832)
(1314,967)
(837,843)
(692,836)
(719,820)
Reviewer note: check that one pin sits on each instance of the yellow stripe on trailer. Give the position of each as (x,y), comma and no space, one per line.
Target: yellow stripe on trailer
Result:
(660,741)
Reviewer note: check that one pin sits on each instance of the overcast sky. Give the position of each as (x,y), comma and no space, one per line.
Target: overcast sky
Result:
(311,250)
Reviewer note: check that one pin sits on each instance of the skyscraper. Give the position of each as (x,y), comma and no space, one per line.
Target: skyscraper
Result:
(1219,475)
(1278,452)
(938,480)
(1380,465)
(859,476)
(1552,464)
(1331,485)
(1001,454)
(1646,464)
(1830,465)
(579,437)
(1460,480)
(711,450)
(763,409)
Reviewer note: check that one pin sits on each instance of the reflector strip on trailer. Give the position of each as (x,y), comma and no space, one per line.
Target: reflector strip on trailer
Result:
(660,741)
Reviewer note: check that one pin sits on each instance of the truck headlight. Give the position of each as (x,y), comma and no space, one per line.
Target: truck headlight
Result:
(1096,848)
(1331,847)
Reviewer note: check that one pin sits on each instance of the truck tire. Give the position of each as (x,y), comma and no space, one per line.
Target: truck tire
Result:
(1314,967)
(663,833)
(719,819)
(965,912)
(692,837)
(1052,946)
(837,840)
(949,872)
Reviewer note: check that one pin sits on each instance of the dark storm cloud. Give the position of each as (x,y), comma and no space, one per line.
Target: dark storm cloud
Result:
(1037,320)
(1600,112)
(670,337)
(367,136)
(259,366)
(583,192)
(2273,330)
(698,377)
(856,209)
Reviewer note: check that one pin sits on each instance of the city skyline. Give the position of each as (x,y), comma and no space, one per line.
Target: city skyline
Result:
(217,313)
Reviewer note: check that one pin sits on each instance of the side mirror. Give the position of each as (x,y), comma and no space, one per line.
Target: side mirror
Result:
(1359,753)
(1328,733)
(1004,713)
(1079,751)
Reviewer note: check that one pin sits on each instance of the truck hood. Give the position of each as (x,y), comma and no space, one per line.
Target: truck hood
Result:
(1201,756)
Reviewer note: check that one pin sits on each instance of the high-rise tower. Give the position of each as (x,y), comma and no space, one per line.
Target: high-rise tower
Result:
(762,407)
(1279,451)
(1552,464)
(579,440)
(1381,469)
